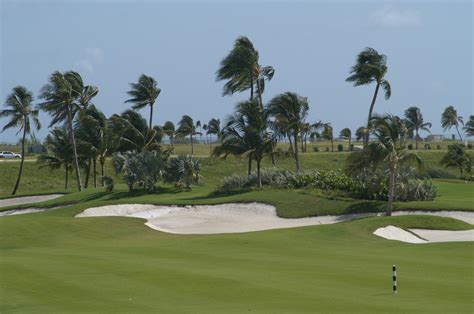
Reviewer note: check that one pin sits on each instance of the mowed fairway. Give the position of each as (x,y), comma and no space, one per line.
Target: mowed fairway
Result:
(52,262)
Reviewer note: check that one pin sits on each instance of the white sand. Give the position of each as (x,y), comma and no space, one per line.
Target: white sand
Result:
(395,233)
(27,199)
(211,219)
(424,235)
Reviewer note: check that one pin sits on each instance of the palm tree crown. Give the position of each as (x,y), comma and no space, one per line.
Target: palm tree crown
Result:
(450,118)
(144,93)
(469,127)
(186,127)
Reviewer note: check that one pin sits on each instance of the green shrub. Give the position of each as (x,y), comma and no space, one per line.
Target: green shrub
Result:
(469,146)
(340,148)
(438,146)
(108,183)
(315,149)
(410,146)
(183,171)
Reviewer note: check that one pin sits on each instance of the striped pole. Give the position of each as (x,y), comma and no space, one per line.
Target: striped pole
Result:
(394,270)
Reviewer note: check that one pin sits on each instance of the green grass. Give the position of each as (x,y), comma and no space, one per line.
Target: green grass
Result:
(52,262)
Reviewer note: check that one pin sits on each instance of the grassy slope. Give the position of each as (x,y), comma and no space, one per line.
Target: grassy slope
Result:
(52,262)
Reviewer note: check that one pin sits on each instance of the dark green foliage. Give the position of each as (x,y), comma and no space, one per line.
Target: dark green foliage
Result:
(183,171)
(340,147)
(410,146)
(315,149)
(108,183)
(456,157)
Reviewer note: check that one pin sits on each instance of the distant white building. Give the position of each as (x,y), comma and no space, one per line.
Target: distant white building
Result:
(435,137)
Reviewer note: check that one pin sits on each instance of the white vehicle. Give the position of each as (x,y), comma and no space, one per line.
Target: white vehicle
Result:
(9,155)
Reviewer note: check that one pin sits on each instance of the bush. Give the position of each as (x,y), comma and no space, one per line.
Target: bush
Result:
(410,146)
(436,172)
(438,146)
(469,146)
(340,148)
(315,149)
(428,146)
(327,149)
(109,184)
(183,171)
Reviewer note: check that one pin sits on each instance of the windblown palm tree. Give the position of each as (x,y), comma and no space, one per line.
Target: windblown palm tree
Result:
(186,127)
(469,127)
(170,130)
(134,134)
(59,152)
(290,110)
(347,134)
(22,115)
(328,134)
(361,133)
(450,118)
(242,71)
(144,93)
(214,127)
(247,134)
(371,67)
(387,152)
(414,122)
(63,97)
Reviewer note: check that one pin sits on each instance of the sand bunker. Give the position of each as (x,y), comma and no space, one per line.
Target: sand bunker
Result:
(27,199)
(423,235)
(211,219)
(246,217)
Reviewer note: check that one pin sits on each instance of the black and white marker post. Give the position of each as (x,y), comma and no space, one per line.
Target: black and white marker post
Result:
(394,270)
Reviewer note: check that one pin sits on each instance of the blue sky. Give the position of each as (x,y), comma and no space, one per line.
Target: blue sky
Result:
(312,46)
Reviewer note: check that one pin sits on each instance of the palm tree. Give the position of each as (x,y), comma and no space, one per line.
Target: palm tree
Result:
(328,134)
(59,152)
(170,130)
(450,118)
(456,157)
(370,67)
(361,133)
(133,132)
(63,97)
(247,134)
(290,110)
(242,71)
(144,93)
(469,127)
(186,127)
(414,122)
(387,152)
(214,127)
(347,134)
(21,114)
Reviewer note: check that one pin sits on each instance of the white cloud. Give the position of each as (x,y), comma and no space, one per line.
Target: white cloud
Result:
(90,57)
(391,17)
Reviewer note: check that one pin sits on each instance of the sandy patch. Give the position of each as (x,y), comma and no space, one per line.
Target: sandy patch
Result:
(211,219)
(423,235)
(27,199)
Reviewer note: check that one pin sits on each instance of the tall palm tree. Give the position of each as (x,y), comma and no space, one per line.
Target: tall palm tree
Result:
(387,152)
(170,130)
(186,127)
(144,93)
(247,134)
(242,71)
(63,99)
(347,134)
(450,118)
(21,114)
(469,127)
(414,122)
(328,134)
(214,127)
(361,133)
(290,110)
(59,152)
(370,67)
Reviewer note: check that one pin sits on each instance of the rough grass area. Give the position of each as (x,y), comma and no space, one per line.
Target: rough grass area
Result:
(52,262)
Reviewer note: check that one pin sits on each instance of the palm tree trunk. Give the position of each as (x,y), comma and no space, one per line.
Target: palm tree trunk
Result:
(67,178)
(249,166)
(391,191)
(192,146)
(73,139)
(88,173)
(416,139)
(259,174)
(332,144)
(460,137)
(102,164)
(374,98)
(297,155)
(151,114)
(349,144)
(95,173)
(22,160)
(259,92)
(172,144)
(251,85)
(291,144)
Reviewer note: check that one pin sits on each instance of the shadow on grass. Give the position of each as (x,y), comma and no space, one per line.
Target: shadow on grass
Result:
(366,207)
